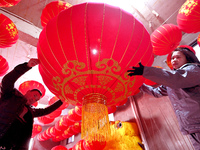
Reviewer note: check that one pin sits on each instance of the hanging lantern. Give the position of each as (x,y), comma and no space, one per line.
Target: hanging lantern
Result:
(51,10)
(91,145)
(8,3)
(78,145)
(188,18)
(73,116)
(54,99)
(112,109)
(165,39)
(76,127)
(36,129)
(59,147)
(8,32)
(3,66)
(45,120)
(85,52)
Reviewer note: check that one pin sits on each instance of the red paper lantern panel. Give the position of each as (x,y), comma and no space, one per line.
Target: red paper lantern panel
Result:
(165,39)
(51,10)
(45,120)
(112,109)
(88,49)
(54,114)
(8,32)
(91,145)
(76,127)
(73,116)
(59,147)
(31,84)
(3,66)
(78,146)
(188,18)
(54,99)
(8,3)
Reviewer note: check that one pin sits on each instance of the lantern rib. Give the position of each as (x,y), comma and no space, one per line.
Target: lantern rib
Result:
(117,34)
(129,41)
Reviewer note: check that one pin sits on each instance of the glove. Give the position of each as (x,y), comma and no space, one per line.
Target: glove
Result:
(136,70)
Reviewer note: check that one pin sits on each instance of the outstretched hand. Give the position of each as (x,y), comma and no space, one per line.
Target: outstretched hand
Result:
(33,62)
(136,70)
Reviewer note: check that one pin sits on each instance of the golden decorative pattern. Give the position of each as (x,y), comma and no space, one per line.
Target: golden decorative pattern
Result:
(80,80)
(187,7)
(12,30)
(103,80)
(119,88)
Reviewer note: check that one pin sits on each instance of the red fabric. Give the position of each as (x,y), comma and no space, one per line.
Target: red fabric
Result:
(165,39)
(188,16)
(88,48)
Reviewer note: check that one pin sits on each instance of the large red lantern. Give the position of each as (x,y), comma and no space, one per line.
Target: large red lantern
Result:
(51,10)
(85,52)
(188,18)
(8,3)
(3,66)
(59,147)
(165,39)
(8,32)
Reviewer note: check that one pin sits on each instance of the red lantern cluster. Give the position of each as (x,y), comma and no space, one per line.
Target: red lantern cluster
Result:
(50,117)
(165,39)
(67,126)
(8,3)
(8,32)
(88,48)
(3,66)
(198,40)
(51,10)
(188,18)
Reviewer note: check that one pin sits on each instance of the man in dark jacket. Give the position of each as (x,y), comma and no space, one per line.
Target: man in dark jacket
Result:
(16,114)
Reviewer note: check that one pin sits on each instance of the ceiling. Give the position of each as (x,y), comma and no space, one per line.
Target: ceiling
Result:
(26,16)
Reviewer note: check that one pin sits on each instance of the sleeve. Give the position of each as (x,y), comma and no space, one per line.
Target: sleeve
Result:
(181,78)
(45,111)
(9,79)
(156,92)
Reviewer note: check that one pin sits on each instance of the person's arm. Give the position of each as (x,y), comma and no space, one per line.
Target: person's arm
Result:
(9,79)
(37,112)
(156,92)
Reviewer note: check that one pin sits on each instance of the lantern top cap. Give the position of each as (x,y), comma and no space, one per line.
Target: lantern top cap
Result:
(186,47)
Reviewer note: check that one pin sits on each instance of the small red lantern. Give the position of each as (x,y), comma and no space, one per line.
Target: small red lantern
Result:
(36,129)
(188,18)
(45,120)
(8,3)
(54,99)
(73,116)
(31,84)
(54,114)
(112,109)
(8,32)
(165,39)
(3,66)
(76,127)
(59,147)
(94,145)
(51,10)
(78,145)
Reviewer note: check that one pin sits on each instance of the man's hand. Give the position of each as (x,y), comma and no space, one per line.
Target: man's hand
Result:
(136,70)
(33,62)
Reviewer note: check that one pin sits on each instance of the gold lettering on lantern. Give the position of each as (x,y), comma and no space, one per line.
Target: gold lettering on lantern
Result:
(103,80)
(12,29)
(68,90)
(187,7)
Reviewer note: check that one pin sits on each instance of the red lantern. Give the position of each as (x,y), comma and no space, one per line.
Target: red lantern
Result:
(45,120)
(73,116)
(54,99)
(3,66)
(54,114)
(93,145)
(59,147)
(31,84)
(36,129)
(112,109)
(51,10)
(85,52)
(78,146)
(8,31)
(188,18)
(8,3)
(165,39)
(78,110)
(76,127)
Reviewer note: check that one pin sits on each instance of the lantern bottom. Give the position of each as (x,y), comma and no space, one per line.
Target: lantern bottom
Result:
(95,123)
